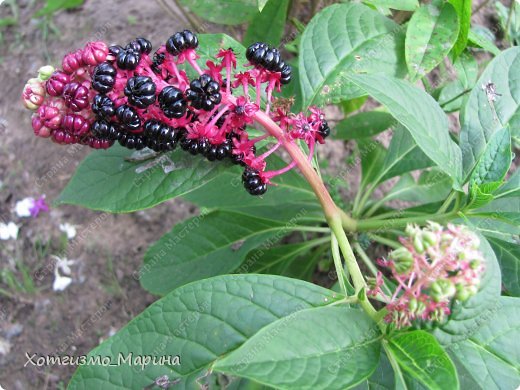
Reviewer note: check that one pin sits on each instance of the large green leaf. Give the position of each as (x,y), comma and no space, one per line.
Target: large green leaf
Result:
(511,188)
(205,246)
(269,25)
(383,377)
(432,32)
(466,317)
(106,181)
(364,125)
(500,219)
(421,115)
(200,322)
(432,186)
(508,256)
(490,359)
(344,38)
(478,117)
(495,161)
(403,5)
(422,357)
(223,11)
(372,155)
(323,348)
(463,9)
(452,95)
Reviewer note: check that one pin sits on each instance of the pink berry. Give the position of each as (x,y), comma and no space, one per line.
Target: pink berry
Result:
(56,83)
(72,61)
(33,94)
(75,96)
(75,124)
(39,129)
(94,53)
(51,116)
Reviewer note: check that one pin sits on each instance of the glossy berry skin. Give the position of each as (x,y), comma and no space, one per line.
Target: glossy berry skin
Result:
(204,93)
(104,77)
(181,41)
(159,131)
(131,141)
(142,45)
(75,96)
(128,58)
(324,129)
(101,129)
(140,91)
(128,117)
(158,59)
(260,54)
(103,107)
(75,124)
(56,83)
(114,50)
(172,102)
(253,182)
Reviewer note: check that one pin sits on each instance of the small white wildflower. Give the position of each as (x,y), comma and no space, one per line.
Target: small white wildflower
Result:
(23,207)
(68,229)
(61,282)
(8,231)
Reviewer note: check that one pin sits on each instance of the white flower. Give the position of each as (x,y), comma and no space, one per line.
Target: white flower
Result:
(23,207)
(61,282)
(8,231)
(68,229)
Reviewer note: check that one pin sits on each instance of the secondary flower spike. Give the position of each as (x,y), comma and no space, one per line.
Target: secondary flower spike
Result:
(435,267)
(126,94)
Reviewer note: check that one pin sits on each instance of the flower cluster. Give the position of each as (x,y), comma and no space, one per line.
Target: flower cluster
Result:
(434,267)
(127,94)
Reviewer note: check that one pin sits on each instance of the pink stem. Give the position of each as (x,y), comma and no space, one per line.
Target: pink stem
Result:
(269,152)
(271,174)
(194,65)
(221,112)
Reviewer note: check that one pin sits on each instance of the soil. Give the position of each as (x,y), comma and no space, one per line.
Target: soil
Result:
(108,248)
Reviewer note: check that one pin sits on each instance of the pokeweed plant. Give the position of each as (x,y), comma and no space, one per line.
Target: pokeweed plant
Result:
(206,115)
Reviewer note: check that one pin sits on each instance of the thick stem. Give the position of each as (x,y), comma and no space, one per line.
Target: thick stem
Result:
(385,224)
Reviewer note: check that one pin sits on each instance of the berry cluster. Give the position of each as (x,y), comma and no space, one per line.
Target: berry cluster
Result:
(433,268)
(126,94)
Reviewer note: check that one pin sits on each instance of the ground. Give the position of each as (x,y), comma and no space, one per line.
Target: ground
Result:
(108,248)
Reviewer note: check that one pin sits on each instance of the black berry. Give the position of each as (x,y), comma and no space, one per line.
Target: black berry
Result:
(128,117)
(324,129)
(142,45)
(172,102)
(204,93)
(103,77)
(181,41)
(140,91)
(253,182)
(128,58)
(158,59)
(103,106)
(101,129)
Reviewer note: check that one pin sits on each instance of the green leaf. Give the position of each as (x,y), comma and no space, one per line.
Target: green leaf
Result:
(106,181)
(478,117)
(495,161)
(479,40)
(52,6)
(508,256)
(463,9)
(481,195)
(372,155)
(364,125)
(490,359)
(285,260)
(421,356)
(421,115)
(383,377)
(466,317)
(467,72)
(205,246)
(511,188)
(402,5)
(200,322)
(431,33)
(223,11)
(345,38)
(261,4)
(342,349)
(432,186)
(269,25)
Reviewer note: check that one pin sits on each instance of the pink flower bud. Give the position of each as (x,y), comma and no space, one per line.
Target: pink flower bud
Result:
(72,61)
(56,83)
(94,53)
(75,124)
(33,94)
(76,96)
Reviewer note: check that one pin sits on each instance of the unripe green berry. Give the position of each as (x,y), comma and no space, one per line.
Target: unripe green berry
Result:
(442,289)
(45,72)
(402,259)
(418,244)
